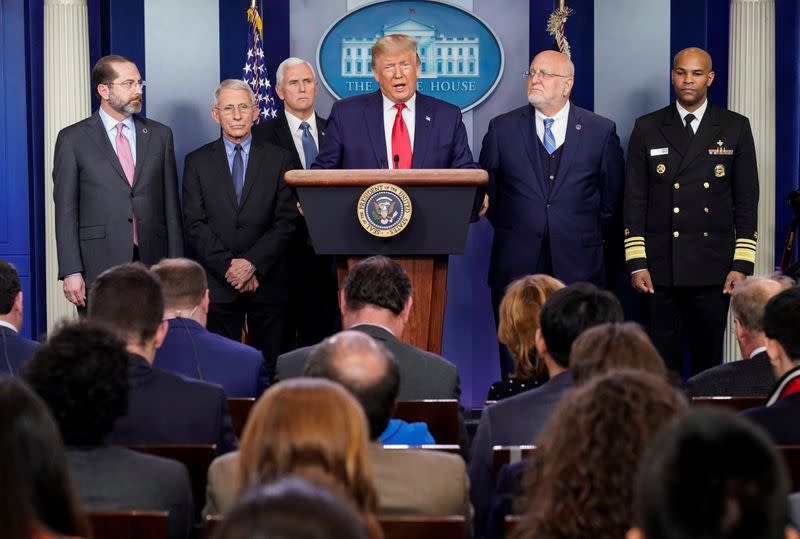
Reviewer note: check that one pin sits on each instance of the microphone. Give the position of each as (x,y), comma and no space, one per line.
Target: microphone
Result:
(383,163)
(396,160)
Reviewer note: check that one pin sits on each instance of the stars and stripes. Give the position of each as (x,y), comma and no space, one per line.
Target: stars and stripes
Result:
(254,71)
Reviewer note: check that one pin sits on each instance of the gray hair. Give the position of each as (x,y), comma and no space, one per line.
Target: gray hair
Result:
(233,84)
(291,62)
(751,296)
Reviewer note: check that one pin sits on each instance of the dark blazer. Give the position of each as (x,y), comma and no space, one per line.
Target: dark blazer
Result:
(747,377)
(117,478)
(194,352)
(575,211)
(164,408)
(710,200)
(517,420)
(257,229)
(779,419)
(94,202)
(276,131)
(14,351)
(354,137)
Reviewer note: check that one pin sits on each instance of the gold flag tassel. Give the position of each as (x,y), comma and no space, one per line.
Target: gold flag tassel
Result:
(555,27)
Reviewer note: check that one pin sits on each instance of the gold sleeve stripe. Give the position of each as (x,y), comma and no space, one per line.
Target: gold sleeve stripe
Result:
(635,252)
(743,242)
(748,255)
(632,239)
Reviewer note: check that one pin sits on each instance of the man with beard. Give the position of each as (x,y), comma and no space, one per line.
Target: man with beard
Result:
(555,180)
(115,184)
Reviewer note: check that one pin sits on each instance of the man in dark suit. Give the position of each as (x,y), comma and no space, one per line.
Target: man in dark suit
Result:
(312,313)
(189,349)
(555,181)
(396,126)
(14,348)
(779,416)
(115,184)
(163,408)
(691,201)
(239,217)
(752,376)
(519,419)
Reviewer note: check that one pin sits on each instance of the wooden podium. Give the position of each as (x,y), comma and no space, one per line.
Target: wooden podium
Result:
(442,203)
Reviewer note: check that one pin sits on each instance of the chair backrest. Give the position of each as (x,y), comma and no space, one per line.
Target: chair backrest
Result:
(212,521)
(196,457)
(129,524)
(239,408)
(422,527)
(791,455)
(441,415)
(737,404)
(447,448)
(509,454)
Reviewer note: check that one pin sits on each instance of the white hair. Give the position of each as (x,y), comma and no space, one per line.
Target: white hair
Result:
(233,84)
(291,62)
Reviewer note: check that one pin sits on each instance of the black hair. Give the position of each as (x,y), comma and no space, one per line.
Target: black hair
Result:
(781,317)
(378,281)
(9,286)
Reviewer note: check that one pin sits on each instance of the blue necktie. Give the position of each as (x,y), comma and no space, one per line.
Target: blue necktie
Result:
(238,172)
(549,139)
(309,148)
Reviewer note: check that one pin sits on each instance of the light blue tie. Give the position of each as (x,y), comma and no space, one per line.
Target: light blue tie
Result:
(309,148)
(549,139)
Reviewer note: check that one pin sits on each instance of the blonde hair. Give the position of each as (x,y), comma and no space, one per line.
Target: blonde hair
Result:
(394,43)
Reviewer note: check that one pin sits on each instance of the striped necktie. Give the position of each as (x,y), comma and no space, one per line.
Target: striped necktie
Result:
(549,139)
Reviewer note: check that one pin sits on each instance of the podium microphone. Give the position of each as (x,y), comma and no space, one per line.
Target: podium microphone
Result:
(396,160)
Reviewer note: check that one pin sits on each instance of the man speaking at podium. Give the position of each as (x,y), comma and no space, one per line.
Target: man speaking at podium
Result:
(395,127)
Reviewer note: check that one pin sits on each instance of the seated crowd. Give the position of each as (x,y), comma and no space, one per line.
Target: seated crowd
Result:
(612,447)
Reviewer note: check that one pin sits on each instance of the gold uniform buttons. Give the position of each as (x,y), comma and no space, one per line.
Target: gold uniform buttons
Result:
(705,210)
(706,185)
(705,234)
(676,185)
(676,234)
(676,210)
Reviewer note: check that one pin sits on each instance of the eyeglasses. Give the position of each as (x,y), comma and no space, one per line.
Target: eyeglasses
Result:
(128,84)
(544,74)
(228,109)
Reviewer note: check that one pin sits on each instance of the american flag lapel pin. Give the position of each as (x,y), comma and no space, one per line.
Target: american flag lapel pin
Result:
(427,118)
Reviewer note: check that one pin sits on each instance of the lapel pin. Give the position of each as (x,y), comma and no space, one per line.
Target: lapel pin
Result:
(427,118)
(578,127)
(322,133)
(144,130)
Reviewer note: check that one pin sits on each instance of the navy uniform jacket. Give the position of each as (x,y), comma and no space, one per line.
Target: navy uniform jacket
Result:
(192,351)
(690,209)
(14,351)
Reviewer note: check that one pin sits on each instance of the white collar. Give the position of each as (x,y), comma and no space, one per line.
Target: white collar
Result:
(294,122)
(388,104)
(110,123)
(558,116)
(757,351)
(371,324)
(698,114)
(9,325)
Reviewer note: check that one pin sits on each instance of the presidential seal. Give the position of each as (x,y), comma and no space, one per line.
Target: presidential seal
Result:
(384,210)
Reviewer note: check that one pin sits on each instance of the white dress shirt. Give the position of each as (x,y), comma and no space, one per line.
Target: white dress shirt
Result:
(559,127)
(9,325)
(698,115)
(297,133)
(129,132)
(389,114)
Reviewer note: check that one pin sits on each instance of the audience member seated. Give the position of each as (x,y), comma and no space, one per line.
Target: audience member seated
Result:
(713,475)
(81,373)
(782,328)
(163,408)
(38,500)
(754,376)
(312,428)
(519,320)
(189,349)
(291,508)
(376,299)
(580,483)
(519,419)
(409,482)
(14,348)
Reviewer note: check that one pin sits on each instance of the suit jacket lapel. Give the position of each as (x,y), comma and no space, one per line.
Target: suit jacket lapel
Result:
(320,128)
(423,124)
(284,136)
(142,142)
(572,142)
(97,133)
(223,172)
(253,169)
(373,119)
(706,133)
(673,131)
(527,127)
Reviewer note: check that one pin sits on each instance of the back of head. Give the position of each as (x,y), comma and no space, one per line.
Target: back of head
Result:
(751,296)
(712,475)
(519,320)
(613,346)
(781,316)
(183,282)
(365,368)
(81,372)
(570,311)
(34,477)
(9,287)
(312,428)
(291,508)
(128,299)
(581,480)
(377,281)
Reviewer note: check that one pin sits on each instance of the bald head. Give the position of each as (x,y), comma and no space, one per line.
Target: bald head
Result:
(693,54)
(365,368)
(550,79)
(691,77)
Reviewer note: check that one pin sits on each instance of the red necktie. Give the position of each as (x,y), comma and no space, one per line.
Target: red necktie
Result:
(126,160)
(401,142)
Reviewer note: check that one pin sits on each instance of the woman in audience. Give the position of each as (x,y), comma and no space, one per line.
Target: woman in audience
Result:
(291,508)
(519,320)
(37,500)
(580,483)
(613,346)
(309,427)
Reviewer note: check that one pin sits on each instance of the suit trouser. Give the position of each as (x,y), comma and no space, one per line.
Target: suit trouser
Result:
(702,311)
(264,325)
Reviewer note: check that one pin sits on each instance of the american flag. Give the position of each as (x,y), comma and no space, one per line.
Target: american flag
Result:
(254,72)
